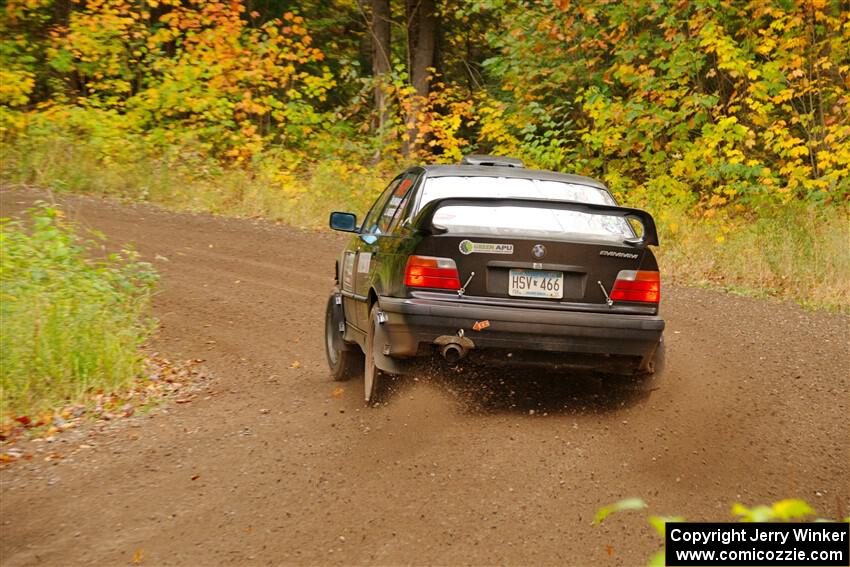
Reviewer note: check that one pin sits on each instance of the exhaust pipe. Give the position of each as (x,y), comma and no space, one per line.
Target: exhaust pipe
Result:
(453,348)
(452,353)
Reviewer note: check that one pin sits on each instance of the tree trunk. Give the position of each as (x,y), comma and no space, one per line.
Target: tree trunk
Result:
(422,39)
(421,44)
(380,32)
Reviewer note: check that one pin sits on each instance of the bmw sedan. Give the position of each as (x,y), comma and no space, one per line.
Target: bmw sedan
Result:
(490,263)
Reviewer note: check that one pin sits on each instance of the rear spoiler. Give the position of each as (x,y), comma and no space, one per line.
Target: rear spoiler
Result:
(424,220)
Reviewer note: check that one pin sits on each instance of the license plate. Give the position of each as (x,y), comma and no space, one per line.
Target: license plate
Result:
(536,283)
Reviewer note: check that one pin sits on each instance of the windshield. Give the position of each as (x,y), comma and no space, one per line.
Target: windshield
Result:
(527,222)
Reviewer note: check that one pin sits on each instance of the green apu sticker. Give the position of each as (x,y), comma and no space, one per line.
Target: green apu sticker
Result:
(468,247)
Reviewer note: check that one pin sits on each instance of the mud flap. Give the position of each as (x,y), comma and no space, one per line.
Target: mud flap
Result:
(653,362)
(338,319)
(386,363)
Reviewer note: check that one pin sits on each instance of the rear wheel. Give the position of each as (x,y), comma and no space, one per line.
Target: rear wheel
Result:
(374,379)
(344,360)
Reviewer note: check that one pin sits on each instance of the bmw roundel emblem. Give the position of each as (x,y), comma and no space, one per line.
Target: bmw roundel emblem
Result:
(538,251)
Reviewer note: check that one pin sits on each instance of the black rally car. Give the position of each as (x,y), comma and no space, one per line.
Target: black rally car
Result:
(494,263)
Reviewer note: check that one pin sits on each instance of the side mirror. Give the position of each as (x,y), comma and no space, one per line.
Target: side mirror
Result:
(345,222)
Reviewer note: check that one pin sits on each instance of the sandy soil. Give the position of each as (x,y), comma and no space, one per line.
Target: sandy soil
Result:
(493,468)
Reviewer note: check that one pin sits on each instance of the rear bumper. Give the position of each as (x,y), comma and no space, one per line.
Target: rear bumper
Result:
(412,324)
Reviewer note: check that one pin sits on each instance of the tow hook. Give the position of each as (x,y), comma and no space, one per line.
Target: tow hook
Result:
(462,289)
(608,299)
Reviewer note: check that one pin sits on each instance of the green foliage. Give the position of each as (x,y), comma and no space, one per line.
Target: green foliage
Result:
(627,504)
(716,103)
(190,75)
(784,510)
(727,102)
(71,324)
(788,510)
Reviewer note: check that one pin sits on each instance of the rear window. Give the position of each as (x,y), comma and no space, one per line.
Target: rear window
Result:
(441,187)
(531,222)
(524,222)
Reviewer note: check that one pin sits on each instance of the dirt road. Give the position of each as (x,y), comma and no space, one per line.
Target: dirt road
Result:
(753,407)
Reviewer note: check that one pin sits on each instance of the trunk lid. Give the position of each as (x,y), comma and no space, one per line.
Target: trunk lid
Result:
(519,255)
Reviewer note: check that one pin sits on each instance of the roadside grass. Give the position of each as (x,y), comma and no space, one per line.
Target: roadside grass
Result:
(797,251)
(277,185)
(71,325)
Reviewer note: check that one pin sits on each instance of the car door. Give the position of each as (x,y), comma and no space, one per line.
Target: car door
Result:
(361,258)
(377,258)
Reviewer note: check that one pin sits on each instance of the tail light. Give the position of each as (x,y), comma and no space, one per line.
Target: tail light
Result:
(427,271)
(632,285)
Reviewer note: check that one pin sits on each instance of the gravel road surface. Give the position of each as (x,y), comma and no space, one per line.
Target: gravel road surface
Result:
(271,466)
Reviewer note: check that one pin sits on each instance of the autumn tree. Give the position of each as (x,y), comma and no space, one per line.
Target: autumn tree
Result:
(380,34)
(421,23)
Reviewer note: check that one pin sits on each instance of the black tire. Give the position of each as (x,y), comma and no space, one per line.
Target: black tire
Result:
(374,379)
(344,360)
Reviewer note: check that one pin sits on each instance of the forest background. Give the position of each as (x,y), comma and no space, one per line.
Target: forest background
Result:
(727,120)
